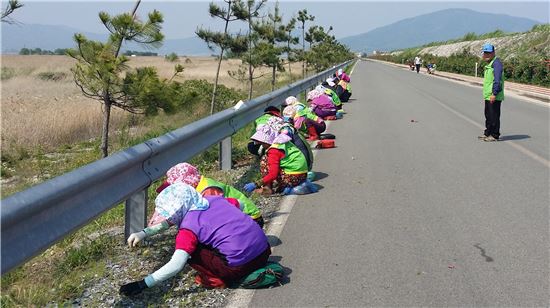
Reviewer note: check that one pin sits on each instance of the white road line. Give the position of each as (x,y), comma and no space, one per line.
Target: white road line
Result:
(516,146)
(243,297)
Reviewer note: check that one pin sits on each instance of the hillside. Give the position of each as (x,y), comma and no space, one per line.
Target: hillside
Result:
(437,26)
(530,44)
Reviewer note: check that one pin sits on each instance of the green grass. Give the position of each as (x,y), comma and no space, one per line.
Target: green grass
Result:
(52,76)
(7,73)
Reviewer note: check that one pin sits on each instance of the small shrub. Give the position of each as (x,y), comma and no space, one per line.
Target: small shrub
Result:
(7,73)
(52,76)
(173,57)
(79,256)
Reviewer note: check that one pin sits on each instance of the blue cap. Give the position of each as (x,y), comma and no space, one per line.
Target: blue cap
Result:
(488,48)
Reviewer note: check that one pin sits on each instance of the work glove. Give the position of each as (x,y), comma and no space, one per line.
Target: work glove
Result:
(133,288)
(135,238)
(249,187)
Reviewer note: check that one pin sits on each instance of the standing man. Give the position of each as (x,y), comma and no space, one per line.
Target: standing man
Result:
(417,63)
(493,93)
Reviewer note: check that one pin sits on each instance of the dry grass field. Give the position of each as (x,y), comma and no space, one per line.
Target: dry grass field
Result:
(42,107)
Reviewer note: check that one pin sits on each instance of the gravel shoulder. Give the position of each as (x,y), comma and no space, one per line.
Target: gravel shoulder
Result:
(134,264)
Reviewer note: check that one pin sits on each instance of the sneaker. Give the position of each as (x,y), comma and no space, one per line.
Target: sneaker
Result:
(490,139)
(481,137)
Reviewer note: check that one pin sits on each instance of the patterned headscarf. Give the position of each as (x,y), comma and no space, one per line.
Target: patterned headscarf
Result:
(313,94)
(289,111)
(176,200)
(291,100)
(267,134)
(275,123)
(183,173)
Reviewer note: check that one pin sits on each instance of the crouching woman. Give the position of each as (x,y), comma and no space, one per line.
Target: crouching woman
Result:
(215,238)
(283,165)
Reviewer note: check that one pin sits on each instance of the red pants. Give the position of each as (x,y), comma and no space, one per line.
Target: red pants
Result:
(210,263)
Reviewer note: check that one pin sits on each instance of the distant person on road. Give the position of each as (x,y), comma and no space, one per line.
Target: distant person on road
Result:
(493,93)
(430,68)
(417,63)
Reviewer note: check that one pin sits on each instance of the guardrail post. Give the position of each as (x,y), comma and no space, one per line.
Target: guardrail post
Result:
(135,218)
(225,154)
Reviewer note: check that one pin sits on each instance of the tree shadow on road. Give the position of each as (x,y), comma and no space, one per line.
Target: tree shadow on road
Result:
(514,137)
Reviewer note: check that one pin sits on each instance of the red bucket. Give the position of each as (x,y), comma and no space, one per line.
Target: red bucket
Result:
(325,144)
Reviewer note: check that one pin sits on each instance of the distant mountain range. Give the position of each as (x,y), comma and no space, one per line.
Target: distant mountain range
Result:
(411,32)
(46,37)
(437,26)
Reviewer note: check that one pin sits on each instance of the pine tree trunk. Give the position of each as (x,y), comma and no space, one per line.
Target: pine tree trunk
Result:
(273,80)
(303,51)
(288,58)
(105,129)
(216,84)
(220,59)
(250,72)
(251,83)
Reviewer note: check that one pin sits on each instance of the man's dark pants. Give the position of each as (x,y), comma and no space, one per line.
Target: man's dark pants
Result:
(492,119)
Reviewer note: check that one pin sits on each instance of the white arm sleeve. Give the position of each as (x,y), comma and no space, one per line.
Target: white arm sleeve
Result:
(170,269)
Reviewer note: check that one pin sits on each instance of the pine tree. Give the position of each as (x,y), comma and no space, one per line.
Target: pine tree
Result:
(99,65)
(248,12)
(10,8)
(290,40)
(223,40)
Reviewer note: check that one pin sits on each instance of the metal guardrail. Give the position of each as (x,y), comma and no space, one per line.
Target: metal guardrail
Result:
(35,219)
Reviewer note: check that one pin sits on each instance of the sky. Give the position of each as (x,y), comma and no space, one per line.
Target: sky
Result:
(181,18)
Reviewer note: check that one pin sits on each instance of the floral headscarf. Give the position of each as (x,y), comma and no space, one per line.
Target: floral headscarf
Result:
(176,200)
(267,134)
(289,111)
(183,173)
(291,100)
(313,94)
(275,123)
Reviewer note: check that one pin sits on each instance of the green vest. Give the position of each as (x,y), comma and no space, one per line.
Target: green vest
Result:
(335,99)
(488,78)
(306,112)
(294,161)
(248,207)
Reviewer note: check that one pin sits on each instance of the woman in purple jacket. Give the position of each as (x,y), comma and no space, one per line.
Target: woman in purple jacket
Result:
(217,240)
(321,104)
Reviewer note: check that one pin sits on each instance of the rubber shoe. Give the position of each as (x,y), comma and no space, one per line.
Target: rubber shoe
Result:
(481,137)
(490,139)
(209,282)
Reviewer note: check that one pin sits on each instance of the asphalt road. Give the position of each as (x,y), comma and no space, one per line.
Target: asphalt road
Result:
(414,210)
